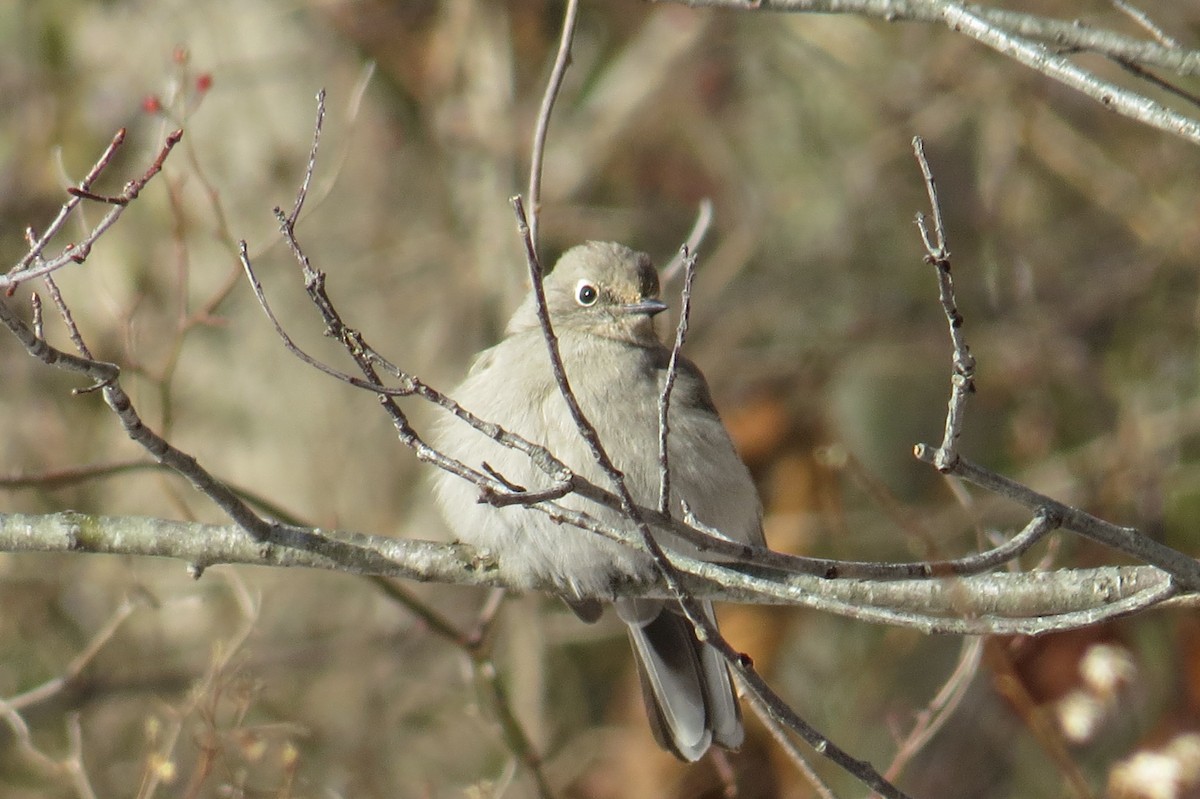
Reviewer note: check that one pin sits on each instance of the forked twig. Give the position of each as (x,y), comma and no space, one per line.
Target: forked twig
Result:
(10,708)
(33,265)
(38,244)
(475,644)
(1184,571)
(106,376)
(963,377)
(941,707)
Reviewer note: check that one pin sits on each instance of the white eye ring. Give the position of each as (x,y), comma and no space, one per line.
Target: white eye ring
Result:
(586,293)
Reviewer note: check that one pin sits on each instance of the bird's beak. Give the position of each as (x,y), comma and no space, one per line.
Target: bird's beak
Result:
(647,307)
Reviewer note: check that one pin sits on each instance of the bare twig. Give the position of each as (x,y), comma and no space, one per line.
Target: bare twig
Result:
(709,539)
(106,199)
(783,737)
(1184,571)
(24,740)
(562,60)
(496,490)
(1027,39)
(10,708)
(783,713)
(34,265)
(963,376)
(311,166)
(35,307)
(1037,57)
(695,237)
(1165,85)
(369,361)
(38,245)
(65,312)
(941,707)
(514,734)
(493,490)
(1143,19)
(106,377)
(101,637)
(664,400)
(475,644)
(74,762)
(314,283)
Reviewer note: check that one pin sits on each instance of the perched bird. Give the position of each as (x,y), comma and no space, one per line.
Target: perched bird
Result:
(602,298)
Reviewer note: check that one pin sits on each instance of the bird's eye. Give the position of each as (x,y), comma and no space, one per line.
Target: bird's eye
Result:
(586,293)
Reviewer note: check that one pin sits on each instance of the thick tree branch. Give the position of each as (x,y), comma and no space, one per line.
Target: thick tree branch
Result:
(1184,569)
(1126,103)
(1032,40)
(1028,603)
(1063,33)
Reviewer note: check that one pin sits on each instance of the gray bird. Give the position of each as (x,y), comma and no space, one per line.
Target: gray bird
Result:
(602,298)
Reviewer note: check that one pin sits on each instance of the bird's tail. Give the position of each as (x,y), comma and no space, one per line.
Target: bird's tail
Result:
(685,683)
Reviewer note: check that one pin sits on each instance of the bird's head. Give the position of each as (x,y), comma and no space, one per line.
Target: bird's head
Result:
(601,288)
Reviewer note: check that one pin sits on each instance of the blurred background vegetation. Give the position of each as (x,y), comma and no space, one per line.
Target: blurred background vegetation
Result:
(1074,234)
